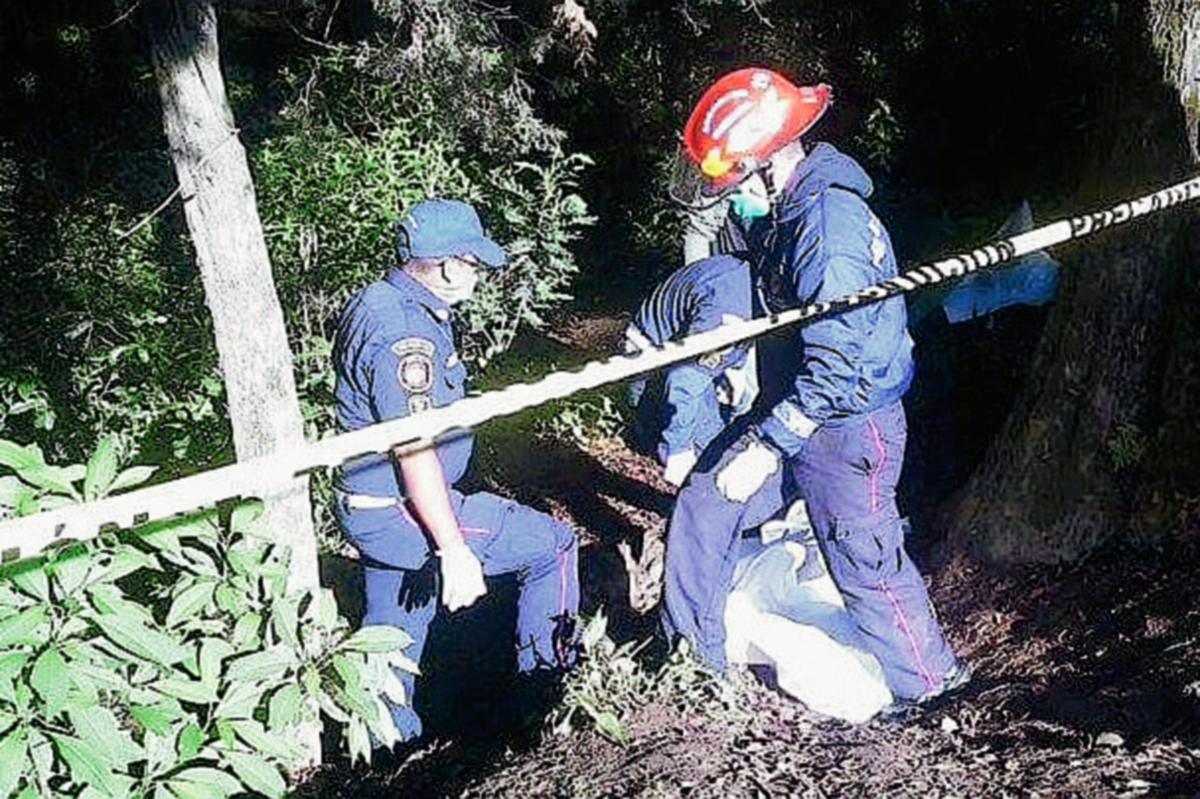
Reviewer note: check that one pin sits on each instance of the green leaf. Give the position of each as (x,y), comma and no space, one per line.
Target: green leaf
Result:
(51,478)
(284,618)
(231,600)
(213,652)
(165,539)
(51,679)
(269,743)
(284,707)
(194,691)
(13,491)
(359,740)
(204,783)
(101,469)
(99,724)
(270,663)
(32,580)
(87,761)
(240,701)
(135,637)
(155,719)
(70,572)
(15,757)
(245,514)
(134,475)
(377,638)
(126,560)
(256,773)
(189,603)
(19,458)
(21,628)
(190,739)
(245,631)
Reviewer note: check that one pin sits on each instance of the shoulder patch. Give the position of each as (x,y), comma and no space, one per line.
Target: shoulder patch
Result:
(415,367)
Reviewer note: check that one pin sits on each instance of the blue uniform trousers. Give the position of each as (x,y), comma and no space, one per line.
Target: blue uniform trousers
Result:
(847,473)
(401,577)
(702,550)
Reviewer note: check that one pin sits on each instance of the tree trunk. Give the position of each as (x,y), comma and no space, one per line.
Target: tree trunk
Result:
(222,216)
(1067,469)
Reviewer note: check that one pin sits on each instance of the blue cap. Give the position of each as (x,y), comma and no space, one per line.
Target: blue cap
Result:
(444,228)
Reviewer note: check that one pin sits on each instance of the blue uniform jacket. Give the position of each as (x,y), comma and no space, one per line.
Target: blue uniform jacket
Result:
(394,355)
(822,242)
(694,299)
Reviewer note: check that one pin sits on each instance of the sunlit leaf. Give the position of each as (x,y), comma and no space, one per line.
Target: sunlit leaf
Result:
(189,603)
(377,638)
(87,760)
(284,706)
(101,469)
(21,628)
(134,475)
(15,757)
(270,663)
(256,773)
(50,678)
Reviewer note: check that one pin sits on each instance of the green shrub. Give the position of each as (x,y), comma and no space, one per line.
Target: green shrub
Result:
(168,661)
(609,683)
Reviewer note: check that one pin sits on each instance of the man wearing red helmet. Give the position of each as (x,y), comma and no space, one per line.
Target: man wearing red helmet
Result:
(833,429)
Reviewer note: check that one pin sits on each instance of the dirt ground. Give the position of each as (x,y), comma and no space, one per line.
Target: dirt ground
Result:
(1087,678)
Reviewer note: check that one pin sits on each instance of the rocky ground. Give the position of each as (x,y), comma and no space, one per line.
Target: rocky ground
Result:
(1087,678)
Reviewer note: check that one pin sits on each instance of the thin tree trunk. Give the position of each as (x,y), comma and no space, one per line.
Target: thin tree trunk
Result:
(222,216)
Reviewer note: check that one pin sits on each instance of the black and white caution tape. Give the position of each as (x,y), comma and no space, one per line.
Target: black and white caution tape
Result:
(28,535)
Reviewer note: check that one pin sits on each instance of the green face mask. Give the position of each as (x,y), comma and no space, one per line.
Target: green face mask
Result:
(749,206)
(752,198)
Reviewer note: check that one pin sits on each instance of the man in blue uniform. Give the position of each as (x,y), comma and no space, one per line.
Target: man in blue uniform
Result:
(834,430)
(394,356)
(691,402)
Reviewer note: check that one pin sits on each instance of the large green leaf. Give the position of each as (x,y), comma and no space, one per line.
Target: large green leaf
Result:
(21,628)
(88,762)
(189,603)
(15,757)
(101,469)
(377,638)
(52,680)
(134,475)
(51,478)
(213,652)
(133,636)
(284,618)
(256,773)
(13,492)
(193,691)
(245,631)
(19,458)
(11,664)
(201,782)
(241,699)
(99,724)
(270,663)
(285,706)
(153,718)
(268,743)
(32,580)
(70,571)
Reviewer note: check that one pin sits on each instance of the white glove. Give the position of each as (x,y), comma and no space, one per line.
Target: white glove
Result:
(462,577)
(679,464)
(746,473)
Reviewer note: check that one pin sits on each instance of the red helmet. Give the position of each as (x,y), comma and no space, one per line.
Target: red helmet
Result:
(746,116)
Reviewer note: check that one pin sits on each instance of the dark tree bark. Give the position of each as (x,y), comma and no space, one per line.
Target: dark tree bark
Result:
(1078,459)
